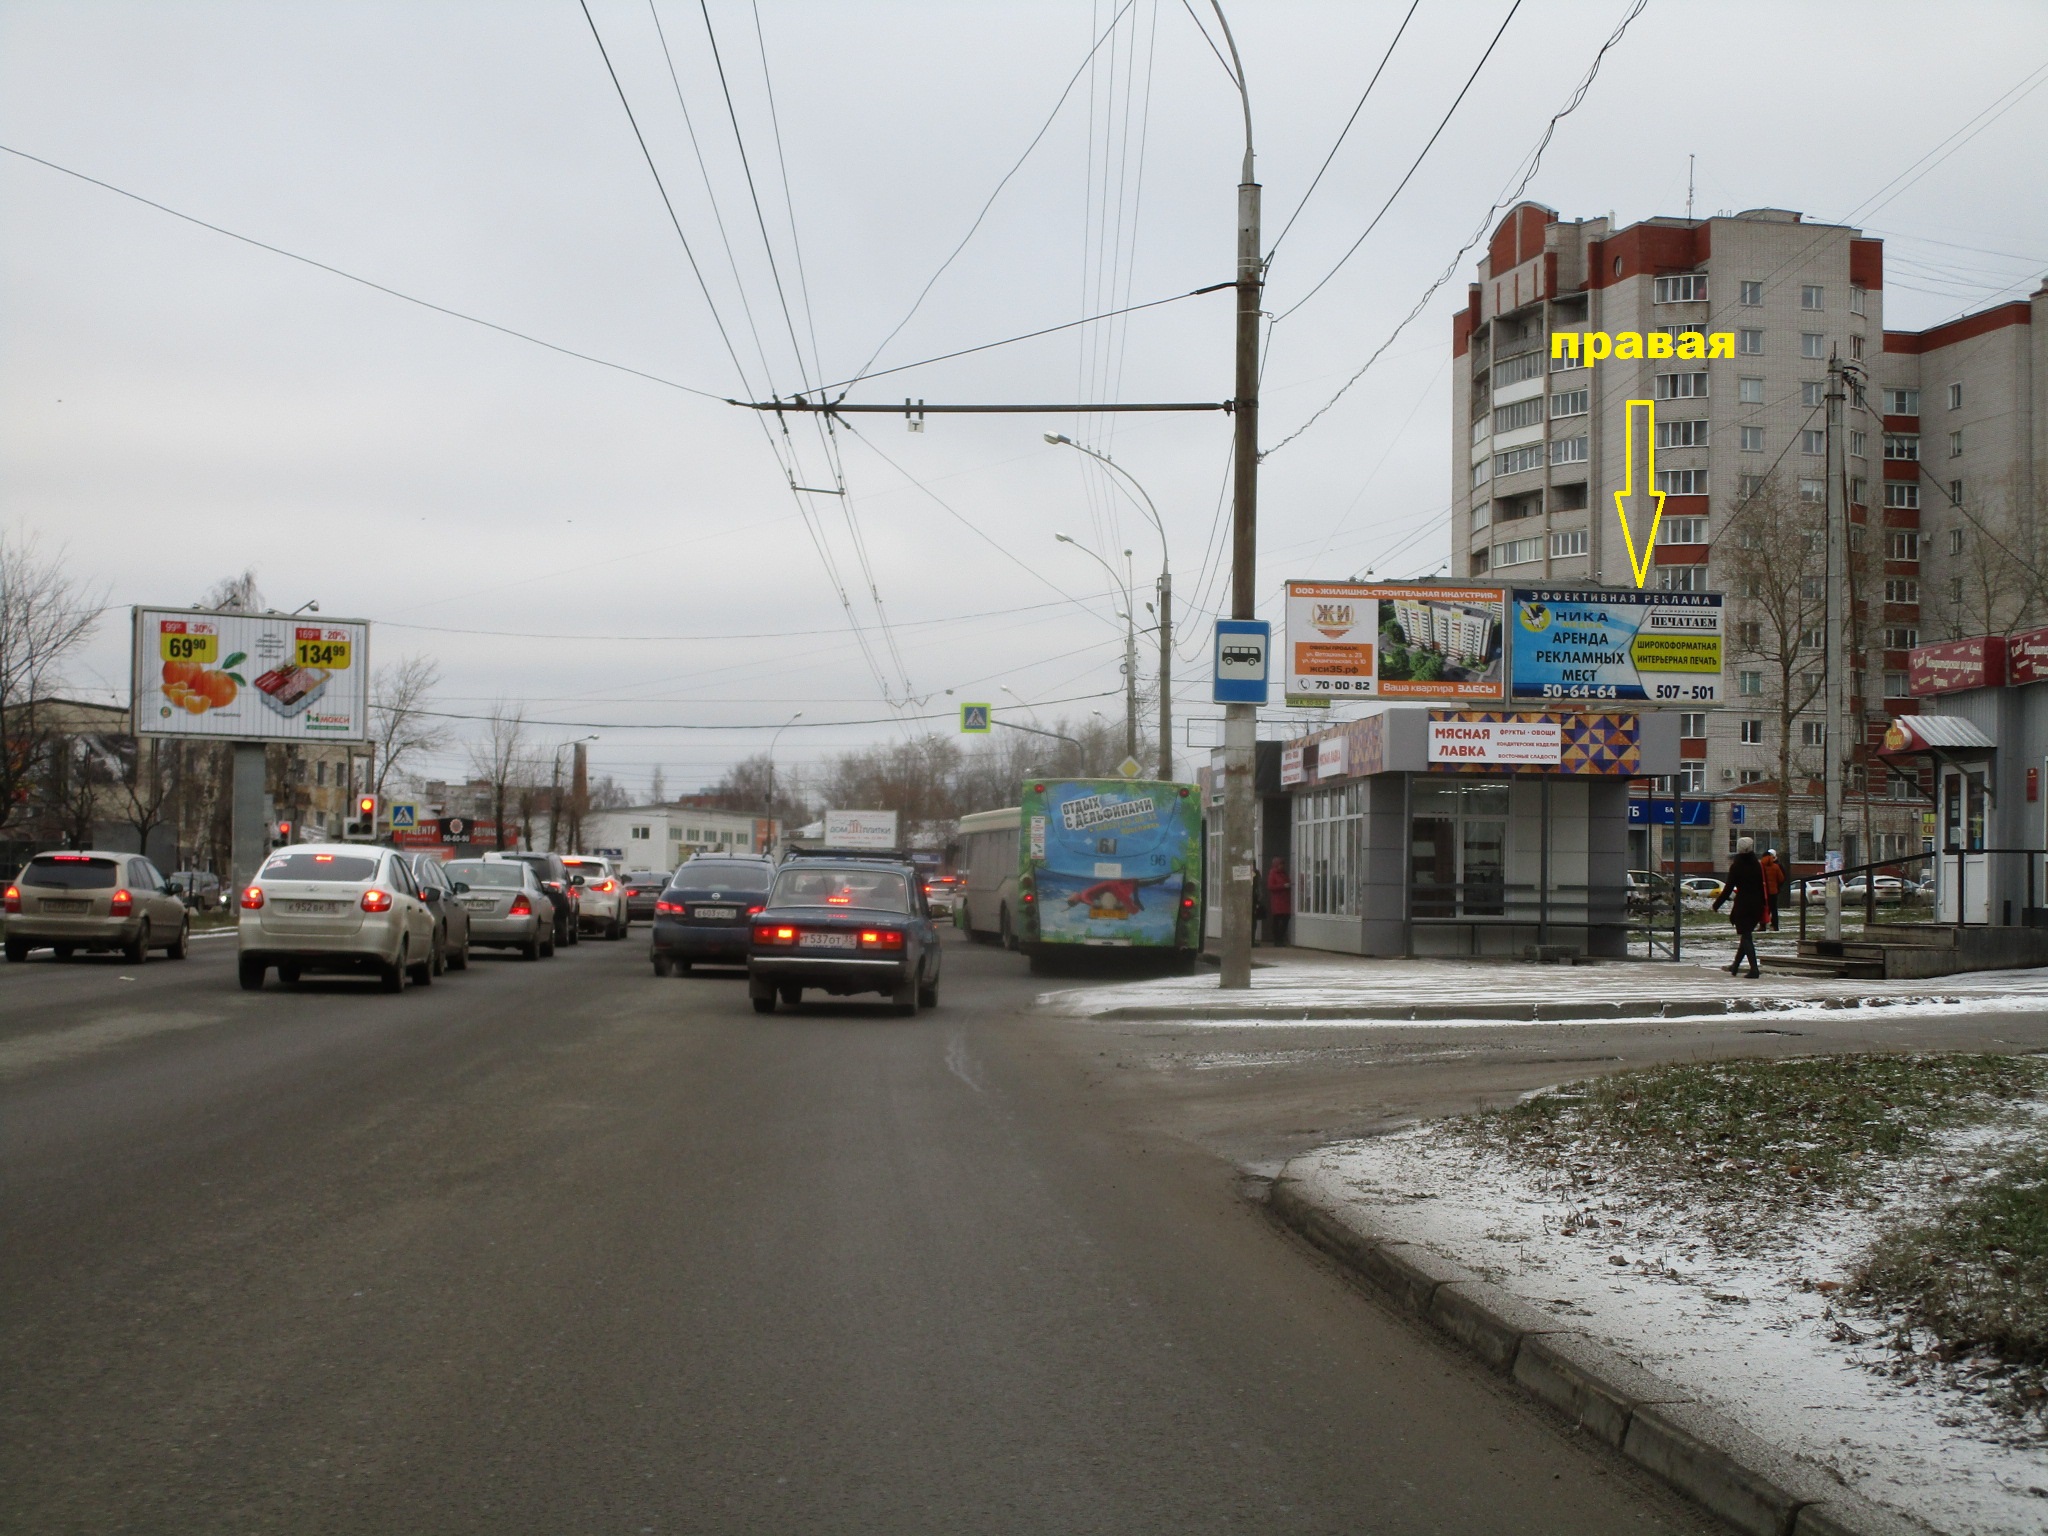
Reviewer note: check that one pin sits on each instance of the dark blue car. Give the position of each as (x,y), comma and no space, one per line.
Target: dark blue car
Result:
(703,915)
(845,927)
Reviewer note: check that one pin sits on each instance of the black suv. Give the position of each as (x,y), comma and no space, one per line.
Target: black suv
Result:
(564,890)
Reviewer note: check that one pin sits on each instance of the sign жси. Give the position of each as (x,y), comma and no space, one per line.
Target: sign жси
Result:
(1360,640)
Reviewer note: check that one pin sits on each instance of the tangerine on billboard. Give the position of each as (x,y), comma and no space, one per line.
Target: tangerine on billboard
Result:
(249,676)
(1371,640)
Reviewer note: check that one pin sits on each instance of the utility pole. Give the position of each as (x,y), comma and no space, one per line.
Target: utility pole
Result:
(1165,675)
(1241,721)
(1836,611)
(1130,668)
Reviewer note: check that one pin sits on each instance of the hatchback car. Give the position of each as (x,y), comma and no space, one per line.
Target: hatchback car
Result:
(338,908)
(66,902)
(451,918)
(565,890)
(508,907)
(844,928)
(704,912)
(603,895)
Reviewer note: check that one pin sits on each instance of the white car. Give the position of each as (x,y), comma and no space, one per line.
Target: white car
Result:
(337,907)
(604,895)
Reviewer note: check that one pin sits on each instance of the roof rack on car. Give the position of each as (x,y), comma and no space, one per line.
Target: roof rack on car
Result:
(872,855)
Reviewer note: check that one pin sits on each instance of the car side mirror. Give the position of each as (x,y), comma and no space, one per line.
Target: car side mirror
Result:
(576,880)
(431,893)
(461,887)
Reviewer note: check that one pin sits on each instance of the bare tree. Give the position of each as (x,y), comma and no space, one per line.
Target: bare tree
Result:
(607,794)
(401,727)
(44,616)
(147,784)
(1999,580)
(757,784)
(657,793)
(235,594)
(499,758)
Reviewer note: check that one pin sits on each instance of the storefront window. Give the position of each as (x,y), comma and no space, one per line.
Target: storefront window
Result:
(1329,861)
(1457,856)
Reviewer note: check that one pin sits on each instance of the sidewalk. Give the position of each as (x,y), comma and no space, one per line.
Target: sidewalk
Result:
(1298,985)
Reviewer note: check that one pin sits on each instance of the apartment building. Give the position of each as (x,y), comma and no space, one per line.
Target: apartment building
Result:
(1944,467)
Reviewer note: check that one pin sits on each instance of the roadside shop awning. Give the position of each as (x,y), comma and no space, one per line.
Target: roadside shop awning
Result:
(1910,735)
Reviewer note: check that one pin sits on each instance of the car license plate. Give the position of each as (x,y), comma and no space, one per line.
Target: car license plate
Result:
(67,906)
(309,908)
(831,941)
(483,905)
(714,911)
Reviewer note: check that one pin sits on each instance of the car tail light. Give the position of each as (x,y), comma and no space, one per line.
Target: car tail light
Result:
(755,911)
(252,898)
(676,907)
(774,933)
(121,904)
(72,858)
(14,898)
(520,907)
(606,886)
(376,901)
(881,938)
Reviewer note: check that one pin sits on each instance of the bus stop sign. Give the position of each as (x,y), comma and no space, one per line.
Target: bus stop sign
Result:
(1242,661)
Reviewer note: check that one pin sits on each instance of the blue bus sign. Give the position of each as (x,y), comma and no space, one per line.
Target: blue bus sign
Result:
(1243,654)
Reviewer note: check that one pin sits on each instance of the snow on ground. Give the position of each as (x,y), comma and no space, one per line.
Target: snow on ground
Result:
(1753,1334)
(1304,979)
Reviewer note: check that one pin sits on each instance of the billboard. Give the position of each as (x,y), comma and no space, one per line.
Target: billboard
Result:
(1369,640)
(249,676)
(860,829)
(1112,862)
(1604,644)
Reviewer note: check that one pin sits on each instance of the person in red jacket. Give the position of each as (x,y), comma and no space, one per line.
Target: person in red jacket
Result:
(1279,901)
(1774,882)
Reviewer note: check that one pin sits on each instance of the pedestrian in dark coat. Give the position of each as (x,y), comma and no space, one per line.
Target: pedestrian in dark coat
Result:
(1279,901)
(1743,889)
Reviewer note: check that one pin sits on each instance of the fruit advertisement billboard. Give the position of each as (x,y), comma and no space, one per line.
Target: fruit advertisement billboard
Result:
(250,676)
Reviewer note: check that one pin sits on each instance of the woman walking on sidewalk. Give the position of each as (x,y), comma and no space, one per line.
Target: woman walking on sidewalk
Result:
(1279,901)
(1745,885)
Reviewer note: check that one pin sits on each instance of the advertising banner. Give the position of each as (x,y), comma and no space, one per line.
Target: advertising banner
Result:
(1496,741)
(250,676)
(1953,665)
(2026,657)
(1112,862)
(1614,644)
(860,829)
(1364,640)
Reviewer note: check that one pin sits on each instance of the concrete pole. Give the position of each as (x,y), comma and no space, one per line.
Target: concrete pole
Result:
(1130,669)
(1241,721)
(579,793)
(249,812)
(1837,612)
(1165,674)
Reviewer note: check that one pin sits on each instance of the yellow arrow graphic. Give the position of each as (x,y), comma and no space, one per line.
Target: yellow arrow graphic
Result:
(1628,483)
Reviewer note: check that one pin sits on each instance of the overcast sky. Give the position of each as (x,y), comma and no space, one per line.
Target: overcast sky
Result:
(176,406)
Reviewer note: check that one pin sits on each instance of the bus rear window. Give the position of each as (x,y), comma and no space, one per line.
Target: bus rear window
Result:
(72,874)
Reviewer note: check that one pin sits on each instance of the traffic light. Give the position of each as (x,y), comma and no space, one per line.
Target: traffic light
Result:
(365,823)
(284,835)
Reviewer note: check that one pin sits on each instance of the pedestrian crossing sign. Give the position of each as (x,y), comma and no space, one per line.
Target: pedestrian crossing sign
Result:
(974,720)
(405,815)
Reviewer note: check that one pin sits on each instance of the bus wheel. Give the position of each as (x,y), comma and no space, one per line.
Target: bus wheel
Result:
(1008,934)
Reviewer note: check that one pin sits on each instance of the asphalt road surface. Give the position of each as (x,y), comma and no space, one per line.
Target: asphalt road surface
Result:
(562,1247)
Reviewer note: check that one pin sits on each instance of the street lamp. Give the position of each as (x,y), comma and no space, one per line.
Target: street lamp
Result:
(1130,644)
(772,740)
(1165,588)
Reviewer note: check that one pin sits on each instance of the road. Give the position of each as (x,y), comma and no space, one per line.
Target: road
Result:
(567,1248)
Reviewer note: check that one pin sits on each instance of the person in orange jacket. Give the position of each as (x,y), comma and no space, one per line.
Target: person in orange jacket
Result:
(1774,882)
(1279,901)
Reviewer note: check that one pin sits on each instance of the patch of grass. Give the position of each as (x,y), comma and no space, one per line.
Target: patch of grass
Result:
(1975,1275)
(1764,1133)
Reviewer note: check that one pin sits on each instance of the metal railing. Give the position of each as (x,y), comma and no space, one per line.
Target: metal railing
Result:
(1960,855)
(1503,904)
(1871,873)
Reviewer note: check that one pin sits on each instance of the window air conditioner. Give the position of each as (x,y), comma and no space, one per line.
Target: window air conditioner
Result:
(1727,773)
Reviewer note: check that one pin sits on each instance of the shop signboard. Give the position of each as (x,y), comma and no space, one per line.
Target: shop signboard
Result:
(1601,645)
(1658,813)
(1953,665)
(1369,640)
(249,676)
(2026,657)
(860,829)
(1534,741)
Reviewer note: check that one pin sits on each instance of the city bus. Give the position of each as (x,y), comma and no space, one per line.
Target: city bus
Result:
(1108,864)
(988,858)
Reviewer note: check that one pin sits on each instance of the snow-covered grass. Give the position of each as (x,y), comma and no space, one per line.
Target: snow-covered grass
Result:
(1713,1224)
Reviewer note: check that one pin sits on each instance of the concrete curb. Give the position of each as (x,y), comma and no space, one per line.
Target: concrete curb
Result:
(1751,1485)
(1527,1013)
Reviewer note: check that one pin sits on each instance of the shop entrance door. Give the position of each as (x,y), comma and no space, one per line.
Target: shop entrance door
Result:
(1964,794)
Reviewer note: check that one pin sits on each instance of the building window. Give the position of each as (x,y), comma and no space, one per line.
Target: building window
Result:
(1515,369)
(1902,445)
(1859,299)
(1814,491)
(1692,726)
(1481,473)
(1955,589)
(1812,296)
(1682,482)
(1482,514)
(1570,402)
(1955,493)
(1479,561)
(1569,450)
(1752,733)
(1955,397)
(1517,552)
(1685,530)
(1812,344)
(1692,778)
(1901,637)
(1750,391)
(1750,343)
(1813,733)
(1814,639)
(1901,589)
(1955,445)
(1898,685)
(1695,329)
(1750,776)
(1749,485)
(1681,578)
(1687,288)
(642,834)
(1856,348)
(1515,460)
(1567,363)
(1564,545)
(1814,392)
(1811,588)
(1902,493)
(1752,294)
(1902,544)
(1749,634)
(1955,541)
(1681,386)
(1859,443)
(1752,439)
(1750,685)
(1813,442)
(1859,491)
(1458,841)
(1902,402)
(1682,434)
(1855,537)
(1523,413)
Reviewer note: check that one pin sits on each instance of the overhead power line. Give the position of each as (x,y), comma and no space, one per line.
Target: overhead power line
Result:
(766,725)
(371,283)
